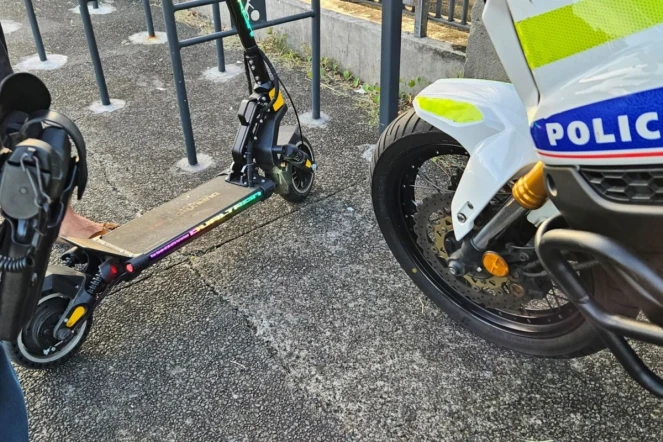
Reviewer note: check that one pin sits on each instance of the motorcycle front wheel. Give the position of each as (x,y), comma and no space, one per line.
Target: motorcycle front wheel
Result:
(414,171)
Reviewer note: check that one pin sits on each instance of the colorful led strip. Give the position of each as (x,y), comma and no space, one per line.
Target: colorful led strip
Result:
(212,222)
(246,17)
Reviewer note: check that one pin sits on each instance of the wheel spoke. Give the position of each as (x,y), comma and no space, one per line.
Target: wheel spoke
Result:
(425,187)
(548,302)
(434,184)
(557,298)
(441,169)
(428,189)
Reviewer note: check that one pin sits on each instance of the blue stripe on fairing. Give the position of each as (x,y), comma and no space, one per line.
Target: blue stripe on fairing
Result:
(608,111)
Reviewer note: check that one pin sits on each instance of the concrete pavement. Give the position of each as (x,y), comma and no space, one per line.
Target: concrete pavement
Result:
(290,323)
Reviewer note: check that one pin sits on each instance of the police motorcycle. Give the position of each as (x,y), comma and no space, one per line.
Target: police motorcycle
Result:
(531,212)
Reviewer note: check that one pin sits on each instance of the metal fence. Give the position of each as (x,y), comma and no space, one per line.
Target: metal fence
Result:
(170,7)
(448,12)
(258,21)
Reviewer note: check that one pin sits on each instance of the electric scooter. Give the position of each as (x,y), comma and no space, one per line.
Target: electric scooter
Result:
(267,158)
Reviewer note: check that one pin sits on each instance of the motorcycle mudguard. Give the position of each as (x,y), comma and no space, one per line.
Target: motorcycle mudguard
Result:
(489,120)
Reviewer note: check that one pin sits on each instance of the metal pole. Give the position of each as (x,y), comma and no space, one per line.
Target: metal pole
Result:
(148,18)
(452,8)
(216,12)
(392,16)
(94,52)
(438,8)
(178,76)
(421,18)
(230,32)
(315,60)
(32,17)
(95,4)
(463,19)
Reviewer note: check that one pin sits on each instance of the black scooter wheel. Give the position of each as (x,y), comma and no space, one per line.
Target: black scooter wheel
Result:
(35,347)
(296,184)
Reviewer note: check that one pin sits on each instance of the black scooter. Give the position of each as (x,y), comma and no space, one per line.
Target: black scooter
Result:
(267,158)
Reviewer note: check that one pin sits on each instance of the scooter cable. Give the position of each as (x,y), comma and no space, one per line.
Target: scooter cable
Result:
(277,81)
(294,108)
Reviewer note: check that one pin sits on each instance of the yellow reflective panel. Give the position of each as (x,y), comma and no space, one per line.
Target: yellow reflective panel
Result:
(583,25)
(456,111)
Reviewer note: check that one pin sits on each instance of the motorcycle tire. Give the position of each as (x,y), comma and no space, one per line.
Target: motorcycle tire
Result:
(403,139)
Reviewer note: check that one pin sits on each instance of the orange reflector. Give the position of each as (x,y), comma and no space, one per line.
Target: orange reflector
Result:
(75,316)
(495,264)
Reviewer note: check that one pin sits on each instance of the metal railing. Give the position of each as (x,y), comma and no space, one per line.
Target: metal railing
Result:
(448,12)
(176,45)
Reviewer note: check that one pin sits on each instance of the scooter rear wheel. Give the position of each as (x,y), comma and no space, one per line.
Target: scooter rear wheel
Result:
(36,347)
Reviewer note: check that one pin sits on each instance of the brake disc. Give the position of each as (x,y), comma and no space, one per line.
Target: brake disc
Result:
(433,224)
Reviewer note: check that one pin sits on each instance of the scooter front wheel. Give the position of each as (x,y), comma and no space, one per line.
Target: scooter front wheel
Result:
(296,184)
(36,347)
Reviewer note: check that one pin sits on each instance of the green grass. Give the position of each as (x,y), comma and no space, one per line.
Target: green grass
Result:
(334,77)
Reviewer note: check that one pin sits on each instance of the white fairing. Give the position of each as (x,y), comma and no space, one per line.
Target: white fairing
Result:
(497,19)
(598,68)
(499,145)
(588,78)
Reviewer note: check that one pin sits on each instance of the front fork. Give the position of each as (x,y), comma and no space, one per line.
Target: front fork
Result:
(528,193)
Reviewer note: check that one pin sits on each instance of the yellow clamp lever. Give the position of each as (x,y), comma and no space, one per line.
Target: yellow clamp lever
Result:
(76,315)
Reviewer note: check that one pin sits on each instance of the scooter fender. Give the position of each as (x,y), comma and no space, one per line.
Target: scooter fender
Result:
(490,121)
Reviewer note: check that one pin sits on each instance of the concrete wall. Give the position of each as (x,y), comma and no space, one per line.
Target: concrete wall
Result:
(482,60)
(355,44)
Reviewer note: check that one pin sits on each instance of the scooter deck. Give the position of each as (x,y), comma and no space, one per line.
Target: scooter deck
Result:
(176,217)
